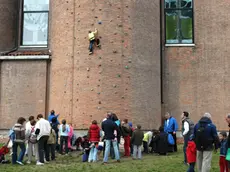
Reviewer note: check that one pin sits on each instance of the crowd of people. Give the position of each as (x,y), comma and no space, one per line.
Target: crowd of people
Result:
(45,138)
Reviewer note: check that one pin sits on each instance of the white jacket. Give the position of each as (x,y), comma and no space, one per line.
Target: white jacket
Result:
(44,127)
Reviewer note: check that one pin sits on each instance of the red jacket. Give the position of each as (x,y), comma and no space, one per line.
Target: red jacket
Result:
(191,152)
(94,133)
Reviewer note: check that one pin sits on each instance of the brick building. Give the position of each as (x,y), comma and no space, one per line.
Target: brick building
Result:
(156,56)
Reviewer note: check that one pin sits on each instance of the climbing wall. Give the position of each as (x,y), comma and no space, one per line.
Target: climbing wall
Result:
(123,76)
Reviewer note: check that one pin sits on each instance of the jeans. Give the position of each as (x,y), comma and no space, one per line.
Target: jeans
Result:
(30,151)
(186,138)
(204,159)
(127,145)
(62,140)
(15,152)
(93,154)
(136,151)
(191,167)
(42,147)
(91,43)
(50,150)
(107,150)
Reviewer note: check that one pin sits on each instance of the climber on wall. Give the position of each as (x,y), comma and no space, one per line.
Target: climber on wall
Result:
(92,39)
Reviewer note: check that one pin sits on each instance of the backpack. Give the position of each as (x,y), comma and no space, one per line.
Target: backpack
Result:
(201,139)
(170,139)
(32,137)
(63,128)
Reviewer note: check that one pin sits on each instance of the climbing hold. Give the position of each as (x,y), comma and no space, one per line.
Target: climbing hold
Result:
(118,16)
(115,92)
(114,86)
(95,17)
(126,67)
(99,57)
(79,6)
(114,51)
(122,41)
(111,20)
(118,75)
(99,22)
(99,102)
(98,85)
(92,24)
(130,61)
(100,9)
(126,6)
(126,89)
(122,97)
(88,69)
(92,89)
(115,33)
(120,25)
(64,91)
(79,20)
(98,93)
(111,41)
(87,76)
(99,65)
(100,72)
(98,108)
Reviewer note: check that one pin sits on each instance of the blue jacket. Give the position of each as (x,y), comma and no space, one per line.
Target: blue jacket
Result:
(51,117)
(108,126)
(172,125)
(210,133)
(223,147)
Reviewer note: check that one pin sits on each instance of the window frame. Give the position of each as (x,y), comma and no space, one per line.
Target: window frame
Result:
(22,27)
(180,41)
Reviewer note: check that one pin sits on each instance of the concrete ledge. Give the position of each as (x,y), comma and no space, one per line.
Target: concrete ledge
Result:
(27,57)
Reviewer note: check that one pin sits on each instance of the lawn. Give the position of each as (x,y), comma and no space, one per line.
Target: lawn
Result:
(150,163)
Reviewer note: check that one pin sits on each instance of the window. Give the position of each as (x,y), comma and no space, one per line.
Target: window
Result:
(179,22)
(35,23)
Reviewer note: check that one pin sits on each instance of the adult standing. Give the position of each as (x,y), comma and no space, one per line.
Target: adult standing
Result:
(205,136)
(53,119)
(19,141)
(187,131)
(42,130)
(171,127)
(28,127)
(109,127)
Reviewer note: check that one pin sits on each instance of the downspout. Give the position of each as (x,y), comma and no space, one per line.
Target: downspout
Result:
(15,48)
(161,60)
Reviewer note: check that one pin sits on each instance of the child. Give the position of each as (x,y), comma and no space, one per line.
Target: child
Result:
(94,138)
(32,141)
(125,128)
(86,148)
(147,140)
(223,163)
(70,135)
(191,154)
(64,131)
(51,144)
(136,140)
(153,143)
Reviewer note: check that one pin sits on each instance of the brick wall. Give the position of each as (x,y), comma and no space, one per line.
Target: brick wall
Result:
(8,24)
(129,32)
(196,79)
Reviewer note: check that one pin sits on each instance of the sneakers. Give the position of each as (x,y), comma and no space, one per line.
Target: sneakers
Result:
(28,162)
(20,163)
(39,163)
(46,162)
(90,53)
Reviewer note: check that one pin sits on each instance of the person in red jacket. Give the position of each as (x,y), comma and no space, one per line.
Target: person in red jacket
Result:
(191,155)
(94,138)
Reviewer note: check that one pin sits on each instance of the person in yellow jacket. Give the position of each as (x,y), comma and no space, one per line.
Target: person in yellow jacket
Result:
(92,38)
(147,140)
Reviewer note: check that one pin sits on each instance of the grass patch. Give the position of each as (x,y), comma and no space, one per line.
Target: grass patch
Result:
(150,163)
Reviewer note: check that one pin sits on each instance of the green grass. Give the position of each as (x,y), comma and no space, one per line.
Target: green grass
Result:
(150,163)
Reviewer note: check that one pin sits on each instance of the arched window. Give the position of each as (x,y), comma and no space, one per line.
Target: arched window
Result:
(35,23)
(179,22)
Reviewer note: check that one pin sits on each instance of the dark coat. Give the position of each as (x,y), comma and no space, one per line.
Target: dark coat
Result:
(126,130)
(137,137)
(108,126)
(161,142)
